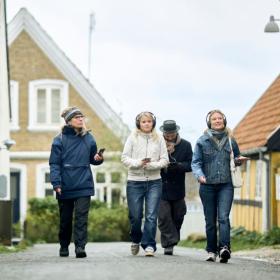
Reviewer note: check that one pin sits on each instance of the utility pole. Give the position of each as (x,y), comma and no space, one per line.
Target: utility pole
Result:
(5,142)
(91,28)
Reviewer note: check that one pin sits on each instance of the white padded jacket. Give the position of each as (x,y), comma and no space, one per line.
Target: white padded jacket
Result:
(139,146)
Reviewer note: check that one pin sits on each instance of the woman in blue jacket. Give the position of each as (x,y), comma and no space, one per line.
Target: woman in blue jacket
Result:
(211,166)
(72,152)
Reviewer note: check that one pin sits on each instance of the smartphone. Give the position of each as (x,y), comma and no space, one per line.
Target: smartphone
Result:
(101,151)
(146,159)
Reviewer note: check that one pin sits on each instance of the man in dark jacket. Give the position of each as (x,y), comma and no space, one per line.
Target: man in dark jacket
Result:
(172,206)
(72,152)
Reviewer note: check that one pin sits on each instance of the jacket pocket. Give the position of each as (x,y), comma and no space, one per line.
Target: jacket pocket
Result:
(208,155)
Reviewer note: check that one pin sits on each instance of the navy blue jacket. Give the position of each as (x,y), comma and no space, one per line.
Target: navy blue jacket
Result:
(213,161)
(70,159)
(173,178)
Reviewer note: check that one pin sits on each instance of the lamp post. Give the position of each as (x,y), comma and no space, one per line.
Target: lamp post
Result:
(5,143)
(272,26)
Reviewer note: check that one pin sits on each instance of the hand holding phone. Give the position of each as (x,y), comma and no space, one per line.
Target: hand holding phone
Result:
(101,151)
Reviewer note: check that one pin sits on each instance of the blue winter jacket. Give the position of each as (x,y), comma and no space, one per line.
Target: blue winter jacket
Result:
(213,161)
(70,159)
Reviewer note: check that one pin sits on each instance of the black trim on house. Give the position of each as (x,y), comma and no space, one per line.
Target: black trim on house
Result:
(273,143)
(248,202)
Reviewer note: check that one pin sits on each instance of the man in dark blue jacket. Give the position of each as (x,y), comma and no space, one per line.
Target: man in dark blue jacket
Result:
(173,206)
(72,152)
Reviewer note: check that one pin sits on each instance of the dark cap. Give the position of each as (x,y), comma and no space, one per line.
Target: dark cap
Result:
(169,126)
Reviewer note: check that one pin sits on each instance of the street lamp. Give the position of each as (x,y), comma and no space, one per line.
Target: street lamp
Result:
(272,26)
(8,143)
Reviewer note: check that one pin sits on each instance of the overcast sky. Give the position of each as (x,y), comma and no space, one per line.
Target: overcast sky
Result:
(176,58)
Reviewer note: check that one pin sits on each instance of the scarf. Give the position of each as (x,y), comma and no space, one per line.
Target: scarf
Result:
(171,145)
(219,137)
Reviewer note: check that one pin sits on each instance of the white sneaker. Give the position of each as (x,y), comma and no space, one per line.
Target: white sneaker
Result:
(211,257)
(149,251)
(134,248)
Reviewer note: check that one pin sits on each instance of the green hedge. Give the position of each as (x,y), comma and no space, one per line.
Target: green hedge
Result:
(104,224)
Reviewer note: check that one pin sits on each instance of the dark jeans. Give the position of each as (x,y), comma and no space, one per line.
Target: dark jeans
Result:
(217,201)
(170,219)
(66,208)
(139,192)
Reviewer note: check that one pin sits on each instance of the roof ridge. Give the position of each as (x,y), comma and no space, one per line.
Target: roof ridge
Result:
(24,20)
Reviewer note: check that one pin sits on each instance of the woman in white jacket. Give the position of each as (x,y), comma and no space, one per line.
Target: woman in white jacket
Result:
(144,154)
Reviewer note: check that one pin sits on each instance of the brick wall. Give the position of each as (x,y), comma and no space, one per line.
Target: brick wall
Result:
(28,62)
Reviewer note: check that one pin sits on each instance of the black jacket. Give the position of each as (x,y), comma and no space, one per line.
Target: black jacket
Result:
(173,178)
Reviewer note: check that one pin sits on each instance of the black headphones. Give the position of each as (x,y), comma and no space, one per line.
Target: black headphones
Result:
(138,117)
(208,116)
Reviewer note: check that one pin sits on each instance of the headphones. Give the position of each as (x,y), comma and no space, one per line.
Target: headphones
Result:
(138,117)
(208,116)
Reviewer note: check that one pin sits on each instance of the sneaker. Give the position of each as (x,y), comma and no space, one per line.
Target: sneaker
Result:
(211,257)
(168,251)
(149,251)
(134,248)
(63,252)
(224,254)
(80,252)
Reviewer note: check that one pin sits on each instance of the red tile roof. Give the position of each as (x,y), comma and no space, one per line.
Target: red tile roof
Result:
(262,119)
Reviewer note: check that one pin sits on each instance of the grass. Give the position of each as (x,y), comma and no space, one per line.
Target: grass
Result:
(241,239)
(236,245)
(23,245)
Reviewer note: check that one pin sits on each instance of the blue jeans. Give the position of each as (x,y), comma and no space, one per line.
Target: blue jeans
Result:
(217,200)
(137,193)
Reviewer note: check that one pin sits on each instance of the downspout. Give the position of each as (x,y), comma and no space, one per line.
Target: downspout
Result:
(267,215)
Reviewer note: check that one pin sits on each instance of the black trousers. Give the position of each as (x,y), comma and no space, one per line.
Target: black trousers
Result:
(170,219)
(79,206)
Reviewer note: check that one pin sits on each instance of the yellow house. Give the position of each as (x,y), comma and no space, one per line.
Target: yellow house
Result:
(257,203)
(43,82)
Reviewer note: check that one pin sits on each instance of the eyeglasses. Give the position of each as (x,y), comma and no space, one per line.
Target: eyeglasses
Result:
(79,117)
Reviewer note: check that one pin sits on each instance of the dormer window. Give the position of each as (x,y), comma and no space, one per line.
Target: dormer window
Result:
(47,98)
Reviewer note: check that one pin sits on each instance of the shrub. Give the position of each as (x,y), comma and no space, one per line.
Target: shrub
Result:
(104,224)
(42,220)
(107,224)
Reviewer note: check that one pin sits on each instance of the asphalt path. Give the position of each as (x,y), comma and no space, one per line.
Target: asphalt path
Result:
(114,261)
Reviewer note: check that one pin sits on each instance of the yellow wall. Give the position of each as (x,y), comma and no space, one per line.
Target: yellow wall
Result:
(275,204)
(248,216)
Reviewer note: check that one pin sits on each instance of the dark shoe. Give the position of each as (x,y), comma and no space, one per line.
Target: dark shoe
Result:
(224,255)
(168,251)
(80,252)
(135,248)
(63,252)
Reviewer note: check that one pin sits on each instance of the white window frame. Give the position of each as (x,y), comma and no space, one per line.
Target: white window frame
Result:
(42,169)
(47,84)
(14,90)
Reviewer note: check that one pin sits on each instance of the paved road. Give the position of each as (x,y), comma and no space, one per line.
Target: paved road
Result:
(113,261)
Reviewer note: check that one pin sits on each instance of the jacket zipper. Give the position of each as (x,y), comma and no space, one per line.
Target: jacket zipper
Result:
(146,154)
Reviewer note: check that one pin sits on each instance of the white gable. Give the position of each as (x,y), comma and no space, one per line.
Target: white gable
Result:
(25,21)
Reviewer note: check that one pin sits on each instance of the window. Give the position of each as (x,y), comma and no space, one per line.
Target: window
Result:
(115,177)
(100,177)
(47,98)
(14,105)
(48,187)
(43,183)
